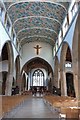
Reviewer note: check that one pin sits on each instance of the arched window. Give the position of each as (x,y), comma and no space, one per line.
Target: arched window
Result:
(13,36)
(1,11)
(8,25)
(38,78)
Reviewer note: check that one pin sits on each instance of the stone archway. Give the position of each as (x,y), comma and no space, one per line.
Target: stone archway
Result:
(65,62)
(7,64)
(76,57)
(4,69)
(17,68)
(34,64)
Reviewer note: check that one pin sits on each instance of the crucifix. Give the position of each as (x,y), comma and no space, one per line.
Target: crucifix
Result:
(37,49)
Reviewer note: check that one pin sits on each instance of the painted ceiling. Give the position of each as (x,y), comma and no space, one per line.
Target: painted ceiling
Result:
(37,20)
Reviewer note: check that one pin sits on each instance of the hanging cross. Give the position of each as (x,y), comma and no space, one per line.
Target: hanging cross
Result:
(37,49)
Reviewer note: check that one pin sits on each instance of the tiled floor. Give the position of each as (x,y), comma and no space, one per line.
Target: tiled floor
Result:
(32,108)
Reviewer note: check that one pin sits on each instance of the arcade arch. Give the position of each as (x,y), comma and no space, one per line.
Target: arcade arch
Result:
(7,68)
(66,71)
(76,57)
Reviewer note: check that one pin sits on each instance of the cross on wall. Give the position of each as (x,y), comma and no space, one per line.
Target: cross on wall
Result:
(37,49)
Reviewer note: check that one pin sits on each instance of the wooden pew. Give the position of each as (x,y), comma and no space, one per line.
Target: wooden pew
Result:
(0,107)
(64,105)
(9,102)
(69,112)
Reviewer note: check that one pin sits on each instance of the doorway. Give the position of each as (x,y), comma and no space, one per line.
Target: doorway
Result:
(70,85)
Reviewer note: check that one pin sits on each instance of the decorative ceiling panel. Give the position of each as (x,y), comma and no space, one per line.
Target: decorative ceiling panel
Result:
(36,22)
(46,16)
(46,9)
(37,38)
(36,31)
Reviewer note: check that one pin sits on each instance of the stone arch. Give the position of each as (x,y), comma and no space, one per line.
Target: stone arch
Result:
(7,59)
(34,63)
(65,58)
(76,56)
(17,69)
(56,73)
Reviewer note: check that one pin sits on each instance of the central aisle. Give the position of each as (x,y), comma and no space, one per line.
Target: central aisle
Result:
(32,108)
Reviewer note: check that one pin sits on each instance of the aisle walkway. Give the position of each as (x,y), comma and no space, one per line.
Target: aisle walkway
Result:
(32,108)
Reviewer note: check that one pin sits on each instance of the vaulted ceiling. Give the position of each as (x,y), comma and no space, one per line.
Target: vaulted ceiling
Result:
(36,20)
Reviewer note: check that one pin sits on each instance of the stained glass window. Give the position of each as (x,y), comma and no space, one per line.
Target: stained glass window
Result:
(38,78)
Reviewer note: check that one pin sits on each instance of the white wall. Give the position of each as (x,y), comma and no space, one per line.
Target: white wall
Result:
(28,52)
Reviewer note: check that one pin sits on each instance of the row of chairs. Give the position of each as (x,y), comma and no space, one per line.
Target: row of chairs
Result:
(26,92)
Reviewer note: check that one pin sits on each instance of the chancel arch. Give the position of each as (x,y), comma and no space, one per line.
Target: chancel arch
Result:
(37,69)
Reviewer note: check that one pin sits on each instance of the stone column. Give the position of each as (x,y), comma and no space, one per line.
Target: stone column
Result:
(79,89)
(17,77)
(1,83)
(19,81)
(29,81)
(26,81)
(8,90)
(0,71)
(0,87)
(76,85)
(63,84)
(61,77)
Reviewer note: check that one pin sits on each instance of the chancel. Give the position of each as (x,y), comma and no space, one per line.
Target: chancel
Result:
(37,49)
(40,59)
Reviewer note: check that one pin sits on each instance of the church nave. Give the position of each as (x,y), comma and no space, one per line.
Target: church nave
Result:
(33,107)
